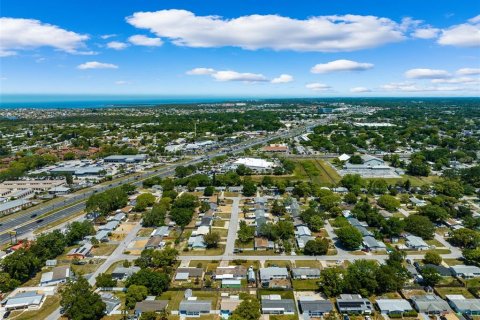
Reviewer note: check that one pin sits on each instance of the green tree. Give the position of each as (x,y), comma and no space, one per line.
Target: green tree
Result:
(420,226)
(7,283)
(209,191)
(156,282)
(350,237)
(332,281)
(465,238)
(249,188)
(143,201)
(361,277)
(212,239)
(388,202)
(350,198)
(316,247)
(135,293)
(432,258)
(390,279)
(80,303)
(245,232)
(433,212)
(156,216)
(77,230)
(248,309)
(430,276)
(105,280)
(472,256)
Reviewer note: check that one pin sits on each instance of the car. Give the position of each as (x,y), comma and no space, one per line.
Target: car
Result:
(39,221)
(346,317)
(33,215)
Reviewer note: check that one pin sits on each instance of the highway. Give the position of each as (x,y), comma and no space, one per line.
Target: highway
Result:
(28,222)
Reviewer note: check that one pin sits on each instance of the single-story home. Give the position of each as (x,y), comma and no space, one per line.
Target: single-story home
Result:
(466,272)
(231,272)
(121,273)
(194,308)
(155,242)
(56,276)
(232,283)
(81,252)
(394,306)
(305,273)
(150,305)
(24,300)
(162,231)
(460,304)
(354,304)
(430,304)
(274,304)
(314,307)
(416,243)
(263,244)
(271,273)
(183,274)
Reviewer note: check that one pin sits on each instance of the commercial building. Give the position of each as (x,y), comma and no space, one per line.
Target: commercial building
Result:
(14,206)
(255,164)
(136,158)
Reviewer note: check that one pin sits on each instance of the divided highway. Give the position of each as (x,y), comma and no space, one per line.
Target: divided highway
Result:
(28,222)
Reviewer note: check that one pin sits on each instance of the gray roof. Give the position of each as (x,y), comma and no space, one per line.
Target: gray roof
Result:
(150,305)
(466,305)
(415,242)
(308,305)
(125,272)
(430,303)
(24,299)
(353,302)
(466,270)
(195,305)
(297,272)
(13,204)
(393,305)
(288,305)
(273,272)
(192,272)
(371,242)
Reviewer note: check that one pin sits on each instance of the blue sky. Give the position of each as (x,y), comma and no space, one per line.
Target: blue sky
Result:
(241,48)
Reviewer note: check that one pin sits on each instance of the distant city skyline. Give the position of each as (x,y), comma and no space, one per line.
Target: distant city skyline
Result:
(241,48)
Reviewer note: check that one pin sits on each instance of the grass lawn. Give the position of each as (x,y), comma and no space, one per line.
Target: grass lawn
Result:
(283,317)
(285,294)
(257,253)
(307,263)
(307,284)
(145,232)
(435,243)
(208,252)
(246,263)
(239,244)
(206,265)
(88,267)
(222,232)
(51,304)
(473,283)
(224,215)
(278,263)
(104,249)
(219,223)
(443,291)
(452,262)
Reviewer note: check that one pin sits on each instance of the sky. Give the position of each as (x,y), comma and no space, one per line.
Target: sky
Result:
(250,48)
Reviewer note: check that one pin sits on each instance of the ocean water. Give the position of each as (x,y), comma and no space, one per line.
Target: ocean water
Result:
(15,101)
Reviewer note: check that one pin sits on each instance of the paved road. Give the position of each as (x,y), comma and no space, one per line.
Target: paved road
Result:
(116,255)
(232,227)
(26,223)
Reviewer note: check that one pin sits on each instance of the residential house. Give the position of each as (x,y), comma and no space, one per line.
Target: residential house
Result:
(183,274)
(354,304)
(274,304)
(231,272)
(466,272)
(112,302)
(162,231)
(314,307)
(150,305)
(102,235)
(81,252)
(272,273)
(109,226)
(430,304)
(443,271)
(24,300)
(197,242)
(305,273)
(416,243)
(122,273)
(460,304)
(232,283)
(263,244)
(194,308)
(394,306)
(228,305)
(56,276)
(372,244)
(155,242)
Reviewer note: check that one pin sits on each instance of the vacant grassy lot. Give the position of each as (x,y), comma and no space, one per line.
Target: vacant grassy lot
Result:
(307,284)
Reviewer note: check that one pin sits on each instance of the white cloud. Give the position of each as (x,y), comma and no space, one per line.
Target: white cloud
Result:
(413,87)
(141,40)
(23,34)
(201,71)
(320,33)
(228,75)
(117,45)
(468,71)
(426,33)
(341,65)
(462,35)
(423,73)
(360,90)
(96,65)
(107,36)
(121,82)
(318,86)
(466,80)
(283,78)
